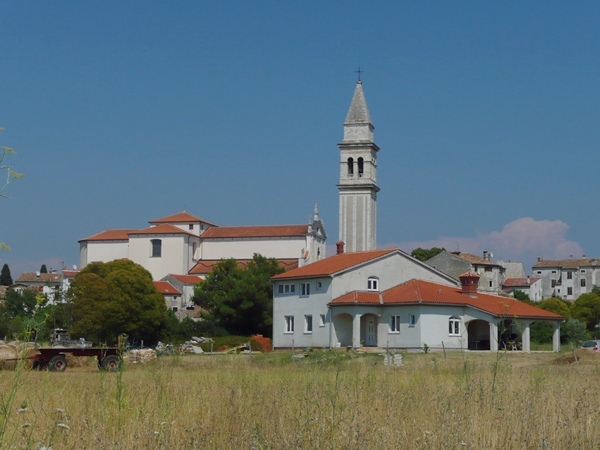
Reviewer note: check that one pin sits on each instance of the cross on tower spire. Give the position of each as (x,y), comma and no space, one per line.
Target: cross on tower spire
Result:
(359,72)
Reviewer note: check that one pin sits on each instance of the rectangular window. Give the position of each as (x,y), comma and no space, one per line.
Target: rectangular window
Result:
(491,283)
(321,320)
(289,324)
(539,272)
(308,324)
(412,320)
(304,289)
(373,284)
(286,288)
(156,248)
(454,326)
(394,324)
(553,283)
(582,270)
(191,226)
(554,271)
(569,291)
(569,275)
(488,269)
(582,282)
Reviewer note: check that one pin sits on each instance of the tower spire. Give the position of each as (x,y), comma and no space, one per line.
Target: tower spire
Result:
(358,177)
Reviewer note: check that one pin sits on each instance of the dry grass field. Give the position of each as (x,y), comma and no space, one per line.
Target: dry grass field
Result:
(326,400)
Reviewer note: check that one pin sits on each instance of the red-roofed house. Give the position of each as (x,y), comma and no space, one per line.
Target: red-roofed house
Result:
(171,295)
(184,284)
(184,244)
(528,285)
(567,278)
(386,298)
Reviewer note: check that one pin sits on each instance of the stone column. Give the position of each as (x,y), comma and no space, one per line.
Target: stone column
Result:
(526,337)
(356,331)
(493,337)
(556,337)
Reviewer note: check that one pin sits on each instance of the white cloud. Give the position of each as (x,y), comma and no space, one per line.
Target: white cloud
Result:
(522,240)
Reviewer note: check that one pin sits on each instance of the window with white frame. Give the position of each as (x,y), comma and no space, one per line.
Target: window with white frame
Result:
(321,320)
(289,324)
(394,324)
(454,326)
(304,289)
(373,284)
(319,285)
(308,323)
(412,320)
(286,288)
(582,281)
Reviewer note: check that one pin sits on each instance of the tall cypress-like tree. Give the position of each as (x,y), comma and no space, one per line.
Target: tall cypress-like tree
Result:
(5,278)
(43,269)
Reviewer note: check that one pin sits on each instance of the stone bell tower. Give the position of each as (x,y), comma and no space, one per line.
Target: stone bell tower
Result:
(358,178)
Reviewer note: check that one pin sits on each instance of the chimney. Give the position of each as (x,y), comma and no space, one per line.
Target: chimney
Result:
(469,281)
(340,247)
(486,255)
(528,280)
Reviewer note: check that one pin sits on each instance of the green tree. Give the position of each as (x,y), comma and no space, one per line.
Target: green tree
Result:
(113,298)
(5,278)
(555,305)
(521,296)
(574,330)
(587,309)
(43,269)
(240,300)
(423,254)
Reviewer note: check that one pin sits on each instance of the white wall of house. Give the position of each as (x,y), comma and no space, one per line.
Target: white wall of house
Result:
(176,253)
(102,251)
(245,248)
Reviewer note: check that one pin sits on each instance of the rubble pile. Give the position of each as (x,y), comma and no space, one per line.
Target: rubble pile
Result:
(142,356)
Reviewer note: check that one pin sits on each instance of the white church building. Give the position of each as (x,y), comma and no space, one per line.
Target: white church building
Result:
(181,245)
(386,298)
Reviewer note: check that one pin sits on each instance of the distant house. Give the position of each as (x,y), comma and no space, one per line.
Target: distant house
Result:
(567,278)
(171,295)
(48,284)
(528,285)
(491,274)
(386,298)
(185,285)
(183,244)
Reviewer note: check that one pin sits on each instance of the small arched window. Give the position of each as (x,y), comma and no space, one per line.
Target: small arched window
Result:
(454,326)
(373,284)
(156,248)
(350,167)
(361,167)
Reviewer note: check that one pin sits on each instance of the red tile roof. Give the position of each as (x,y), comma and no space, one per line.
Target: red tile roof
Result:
(205,266)
(109,235)
(265,231)
(166,288)
(33,277)
(334,264)
(568,263)
(421,291)
(187,279)
(519,282)
(70,273)
(165,228)
(182,217)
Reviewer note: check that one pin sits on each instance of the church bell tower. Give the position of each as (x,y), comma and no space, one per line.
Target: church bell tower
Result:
(358,178)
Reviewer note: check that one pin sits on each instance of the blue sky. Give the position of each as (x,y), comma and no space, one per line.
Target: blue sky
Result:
(121,112)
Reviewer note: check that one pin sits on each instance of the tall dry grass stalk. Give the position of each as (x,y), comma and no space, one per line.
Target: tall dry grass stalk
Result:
(335,401)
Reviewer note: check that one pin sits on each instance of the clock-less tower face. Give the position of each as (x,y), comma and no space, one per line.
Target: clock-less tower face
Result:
(358,178)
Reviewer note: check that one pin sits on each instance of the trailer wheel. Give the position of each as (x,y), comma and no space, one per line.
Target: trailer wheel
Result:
(58,363)
(111,363)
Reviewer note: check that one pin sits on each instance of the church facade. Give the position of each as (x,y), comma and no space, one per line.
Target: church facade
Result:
(183,244)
